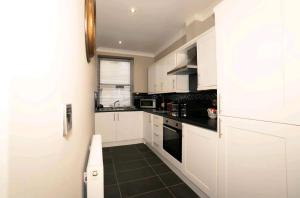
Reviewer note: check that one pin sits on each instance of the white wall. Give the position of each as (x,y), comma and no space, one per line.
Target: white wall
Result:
(47,63)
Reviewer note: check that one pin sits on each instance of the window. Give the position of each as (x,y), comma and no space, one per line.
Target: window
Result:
(114,80)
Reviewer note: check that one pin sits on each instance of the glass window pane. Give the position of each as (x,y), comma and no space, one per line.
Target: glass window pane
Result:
(110,94)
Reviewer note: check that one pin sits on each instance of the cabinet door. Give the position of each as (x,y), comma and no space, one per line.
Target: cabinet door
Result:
(258,159)
(151,79)
(128,126)
(207,63)
(147,123)
(105,126)
(159,76)
(169,80)
(249,57)
(291,61)
(200,158)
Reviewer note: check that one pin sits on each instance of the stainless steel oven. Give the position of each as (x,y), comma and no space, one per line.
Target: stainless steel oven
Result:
(172,138)
(148,103)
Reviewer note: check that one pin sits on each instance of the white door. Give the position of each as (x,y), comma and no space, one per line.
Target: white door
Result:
(128,126)
(106,126)
(206,60)
(147,123)
(258,159)
(249,57)
(291,61)
(200,147)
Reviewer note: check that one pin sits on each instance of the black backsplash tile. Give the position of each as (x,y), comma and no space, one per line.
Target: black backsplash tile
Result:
(203,98)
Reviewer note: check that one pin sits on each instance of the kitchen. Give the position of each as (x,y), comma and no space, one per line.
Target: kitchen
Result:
(131,98)
(208,110)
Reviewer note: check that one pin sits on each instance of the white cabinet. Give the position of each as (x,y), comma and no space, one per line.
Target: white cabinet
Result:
(258,47)
(119,126)
(200,149)
(147,125)
(157,131)
(105,125)
(128,126)
(151,79)
(160,82)
(207,61)
(258,159)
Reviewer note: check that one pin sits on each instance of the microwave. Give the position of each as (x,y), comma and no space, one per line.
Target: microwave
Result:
(148,103)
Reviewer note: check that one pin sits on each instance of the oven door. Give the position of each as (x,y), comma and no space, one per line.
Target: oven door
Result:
(172,142)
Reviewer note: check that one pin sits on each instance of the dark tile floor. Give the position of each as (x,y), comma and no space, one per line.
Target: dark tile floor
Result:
(135,171)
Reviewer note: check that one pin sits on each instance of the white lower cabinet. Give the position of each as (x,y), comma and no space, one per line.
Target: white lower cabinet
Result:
(147,128)
(119,126)
(200,148)
(105,125)
(258,159)
(157,131)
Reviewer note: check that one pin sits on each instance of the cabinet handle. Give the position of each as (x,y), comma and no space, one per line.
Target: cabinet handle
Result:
(156,125)
(156,134)
(219,104)
(114,116)
(155,144)
(220,133)
(173,84)
(118,117)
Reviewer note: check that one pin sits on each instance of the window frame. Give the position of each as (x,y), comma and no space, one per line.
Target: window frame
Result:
(116,58)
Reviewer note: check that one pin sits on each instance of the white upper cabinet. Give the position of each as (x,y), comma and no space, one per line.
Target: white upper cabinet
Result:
(160,82)
(200,157)
(258,159)
(252,79)
(206,60)
(151,79)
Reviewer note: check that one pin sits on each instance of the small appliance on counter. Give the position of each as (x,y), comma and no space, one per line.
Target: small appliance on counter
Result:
(148,103)
(212,113)
(173,109)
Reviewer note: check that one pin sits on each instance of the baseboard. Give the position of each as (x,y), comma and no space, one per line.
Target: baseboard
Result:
(122,143)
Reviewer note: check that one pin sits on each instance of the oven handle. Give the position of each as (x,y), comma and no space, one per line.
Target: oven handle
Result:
(172,129)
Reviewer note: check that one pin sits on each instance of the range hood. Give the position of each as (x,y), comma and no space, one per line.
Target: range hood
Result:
(184,70)
(190,67)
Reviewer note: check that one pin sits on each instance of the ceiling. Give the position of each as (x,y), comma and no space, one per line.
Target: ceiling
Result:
(153,24)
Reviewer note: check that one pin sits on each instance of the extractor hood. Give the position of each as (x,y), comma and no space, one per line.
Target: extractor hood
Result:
(184,70)
(190,66)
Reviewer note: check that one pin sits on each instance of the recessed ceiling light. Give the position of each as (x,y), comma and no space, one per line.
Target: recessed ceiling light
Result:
(120,42)
(132,10)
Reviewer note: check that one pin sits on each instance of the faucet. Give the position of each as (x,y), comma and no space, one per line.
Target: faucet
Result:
(117,101)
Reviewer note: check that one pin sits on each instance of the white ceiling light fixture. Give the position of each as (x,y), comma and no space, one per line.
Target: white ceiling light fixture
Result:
(132,10)
(120,42)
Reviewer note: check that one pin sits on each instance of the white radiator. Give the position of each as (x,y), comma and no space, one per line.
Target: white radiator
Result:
(93,176)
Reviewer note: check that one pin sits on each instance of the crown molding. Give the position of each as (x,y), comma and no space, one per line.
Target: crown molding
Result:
(169,42)
(123,51)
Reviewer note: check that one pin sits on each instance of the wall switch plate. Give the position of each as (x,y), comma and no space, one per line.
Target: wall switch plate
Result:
(67,119)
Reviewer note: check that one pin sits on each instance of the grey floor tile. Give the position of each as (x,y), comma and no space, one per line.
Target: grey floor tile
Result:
(154,160)
(109,179)
(170,179)
(140,186)
(131,165)
(161,169)
(183,191)
(126,158)
(112,191)
(163,193)
(108,168)
(135,174)
(143,148)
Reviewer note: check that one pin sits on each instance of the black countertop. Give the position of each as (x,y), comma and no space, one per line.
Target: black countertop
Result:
(204,122)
